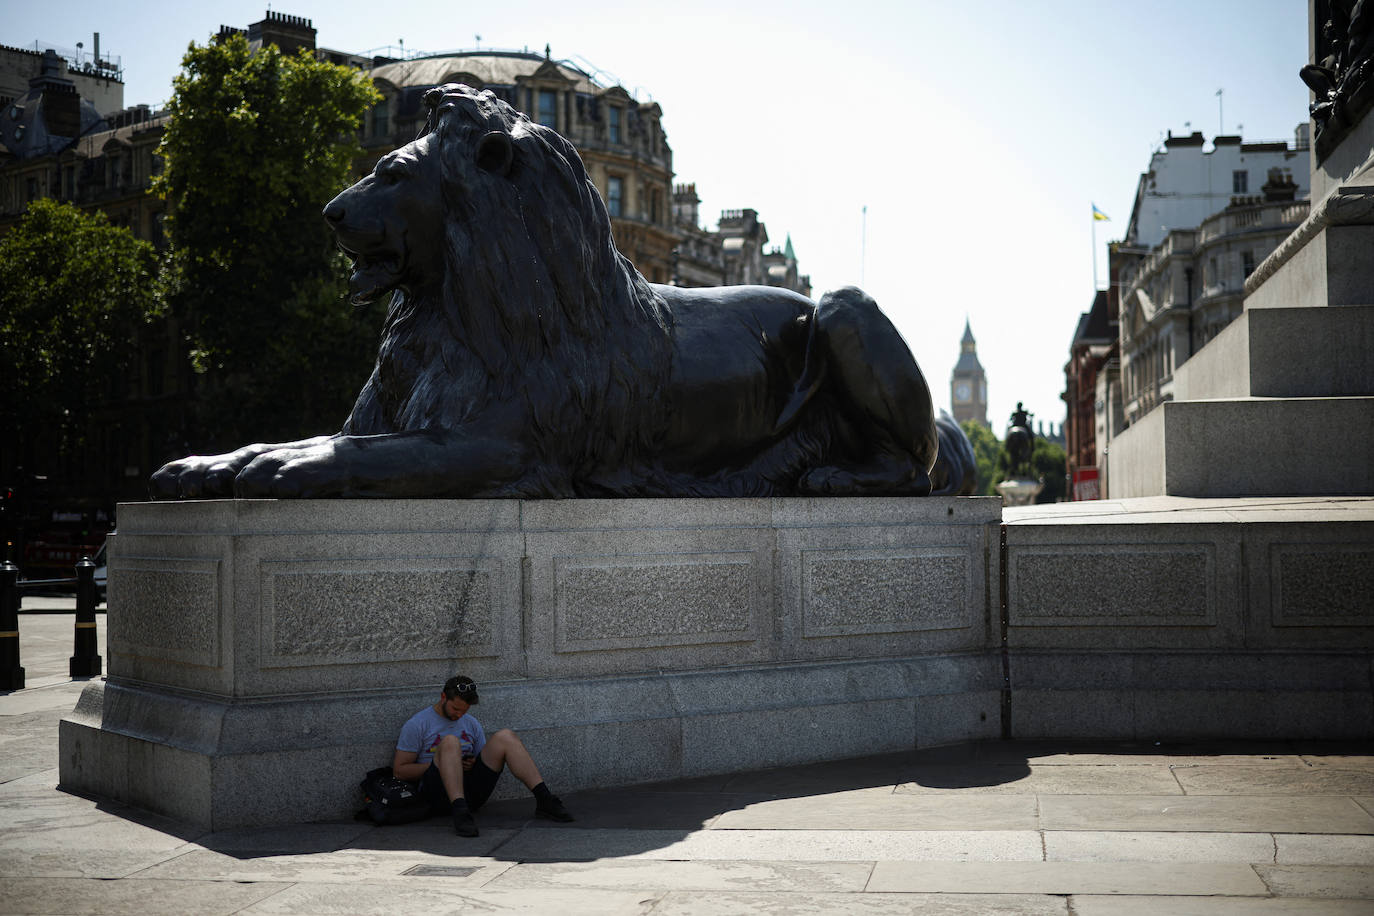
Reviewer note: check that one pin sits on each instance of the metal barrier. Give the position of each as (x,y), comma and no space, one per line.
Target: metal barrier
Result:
(85,660)
(11,672)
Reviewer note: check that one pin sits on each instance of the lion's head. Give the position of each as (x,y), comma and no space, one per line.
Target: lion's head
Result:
(506,282)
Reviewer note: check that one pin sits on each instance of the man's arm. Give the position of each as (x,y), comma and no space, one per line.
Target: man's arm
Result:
(403,766)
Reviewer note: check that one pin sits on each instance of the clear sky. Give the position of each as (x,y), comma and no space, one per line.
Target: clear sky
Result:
(978,135)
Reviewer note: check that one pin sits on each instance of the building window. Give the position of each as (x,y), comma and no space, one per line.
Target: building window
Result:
(1240,182)
(548,108)
(1247,262)
(380,117)
(615,190)
(613,124)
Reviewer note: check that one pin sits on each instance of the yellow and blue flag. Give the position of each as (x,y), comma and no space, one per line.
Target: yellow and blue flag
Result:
(1098,214)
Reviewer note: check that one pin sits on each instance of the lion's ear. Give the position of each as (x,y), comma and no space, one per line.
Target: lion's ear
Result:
(496,152)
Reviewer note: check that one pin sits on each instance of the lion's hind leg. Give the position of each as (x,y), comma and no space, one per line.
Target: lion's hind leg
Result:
(890,441)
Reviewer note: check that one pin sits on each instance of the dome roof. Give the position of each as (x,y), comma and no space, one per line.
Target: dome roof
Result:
(495,68)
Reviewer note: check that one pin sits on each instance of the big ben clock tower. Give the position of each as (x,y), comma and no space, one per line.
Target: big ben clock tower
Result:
(968,386)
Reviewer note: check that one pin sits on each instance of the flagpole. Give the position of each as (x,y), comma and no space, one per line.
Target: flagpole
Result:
(1094,221)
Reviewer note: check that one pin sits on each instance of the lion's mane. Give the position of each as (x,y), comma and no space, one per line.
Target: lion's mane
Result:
(536,306)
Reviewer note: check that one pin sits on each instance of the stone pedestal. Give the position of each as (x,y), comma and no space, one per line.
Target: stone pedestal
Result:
(1020,491)
(263,654)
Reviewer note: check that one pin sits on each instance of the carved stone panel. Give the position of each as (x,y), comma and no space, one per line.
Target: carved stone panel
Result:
(168,609)
(847,592)
(1321,585)
(1127,585)
(322,612)
(638,602)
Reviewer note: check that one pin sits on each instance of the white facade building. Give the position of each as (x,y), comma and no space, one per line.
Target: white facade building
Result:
(1185,184)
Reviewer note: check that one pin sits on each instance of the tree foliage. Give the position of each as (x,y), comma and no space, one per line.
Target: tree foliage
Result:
(74,292)
(257,143)
(985,450)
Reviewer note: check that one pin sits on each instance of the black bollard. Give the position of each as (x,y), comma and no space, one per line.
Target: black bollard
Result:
(85,663)
(11,672)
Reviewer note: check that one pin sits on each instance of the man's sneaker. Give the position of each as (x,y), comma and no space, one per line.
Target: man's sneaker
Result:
(463,823)
(552,809)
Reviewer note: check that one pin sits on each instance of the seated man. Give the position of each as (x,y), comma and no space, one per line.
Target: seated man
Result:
(444,749)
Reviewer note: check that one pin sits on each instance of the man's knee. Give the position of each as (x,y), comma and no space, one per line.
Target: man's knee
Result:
(449,744)
(505,736)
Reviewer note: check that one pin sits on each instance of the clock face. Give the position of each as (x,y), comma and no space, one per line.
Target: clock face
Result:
(961,391)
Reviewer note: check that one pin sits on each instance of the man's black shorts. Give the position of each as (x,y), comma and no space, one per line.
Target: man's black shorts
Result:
(478,784)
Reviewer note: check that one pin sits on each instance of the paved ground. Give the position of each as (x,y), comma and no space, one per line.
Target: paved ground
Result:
(997,827)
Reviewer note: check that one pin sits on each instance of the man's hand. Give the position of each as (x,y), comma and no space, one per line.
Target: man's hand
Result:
(468,760)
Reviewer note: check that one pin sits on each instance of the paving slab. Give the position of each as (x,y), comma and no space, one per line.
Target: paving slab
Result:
(1120,846)
(435,836)
(60,696)
(1309,849)
(744,904)
(1326,780)
(885,810)
(344,866)
(1082,752)
(1043,780)
(1205,813)
(436,899)
(627,808)
(1320,880)
(299,838)
(62,862)
(1163,878)
(788,877)
(881,770)
(775,845)
(1366,802)
(55,820)
(93,897)
(1340,761)
(1216,906)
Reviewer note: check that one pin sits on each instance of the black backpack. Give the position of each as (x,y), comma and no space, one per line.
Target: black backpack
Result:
(391,800)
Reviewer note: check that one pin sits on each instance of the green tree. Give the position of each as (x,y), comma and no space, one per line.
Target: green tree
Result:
(985,450)
(257,143)
(74,292)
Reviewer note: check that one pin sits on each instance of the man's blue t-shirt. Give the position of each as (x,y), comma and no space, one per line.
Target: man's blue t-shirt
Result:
(424,730)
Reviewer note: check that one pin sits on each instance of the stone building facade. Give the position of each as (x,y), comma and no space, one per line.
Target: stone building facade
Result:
(1191,286)
(98,78)
(1093,361)
(1186,183)
(735,254)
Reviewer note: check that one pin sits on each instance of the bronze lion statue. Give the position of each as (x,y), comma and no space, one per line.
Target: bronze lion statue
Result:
(523,356)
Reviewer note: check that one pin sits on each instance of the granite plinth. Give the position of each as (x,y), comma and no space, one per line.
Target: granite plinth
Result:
(1176,619)
(640,640)
(626,640)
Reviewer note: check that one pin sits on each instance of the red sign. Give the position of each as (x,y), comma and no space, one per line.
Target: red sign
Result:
(1085,484)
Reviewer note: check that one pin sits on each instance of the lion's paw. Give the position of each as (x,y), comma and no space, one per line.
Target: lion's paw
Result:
(195,477)
(285,473)
(829,481)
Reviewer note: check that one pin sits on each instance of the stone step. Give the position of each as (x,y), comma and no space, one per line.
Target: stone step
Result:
(1247,447)
(1284,353)
(1325,261)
